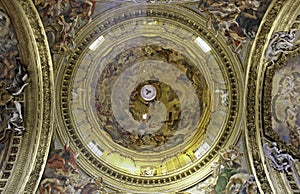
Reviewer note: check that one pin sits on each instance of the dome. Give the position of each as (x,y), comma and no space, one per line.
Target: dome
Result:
(149,98)
(139,96)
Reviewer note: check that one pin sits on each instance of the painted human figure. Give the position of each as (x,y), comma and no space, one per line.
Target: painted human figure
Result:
(64,162)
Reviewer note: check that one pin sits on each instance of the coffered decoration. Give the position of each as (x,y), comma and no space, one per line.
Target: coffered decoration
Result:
(26,97)
(149,96)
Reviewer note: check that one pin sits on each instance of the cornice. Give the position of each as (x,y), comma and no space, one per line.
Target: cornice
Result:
(33,147)
(100,25)
(279,16)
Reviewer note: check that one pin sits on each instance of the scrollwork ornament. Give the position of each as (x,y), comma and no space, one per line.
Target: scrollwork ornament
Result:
(260,125)
(269,102)
(279,161)
(39,58)
(252,130)
(280,43)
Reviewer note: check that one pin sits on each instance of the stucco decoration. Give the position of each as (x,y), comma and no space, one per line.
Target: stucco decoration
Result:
(279,160)
(26,97)
(13,78)
(280,43)
(272,100)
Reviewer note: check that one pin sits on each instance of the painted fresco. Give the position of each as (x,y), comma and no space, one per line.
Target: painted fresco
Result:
(12,82)
(63,176)
(237,20)
(230,175)
(62,19)
(286,102)
(154,124)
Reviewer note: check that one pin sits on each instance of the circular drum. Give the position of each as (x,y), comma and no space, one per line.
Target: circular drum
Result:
(148,98)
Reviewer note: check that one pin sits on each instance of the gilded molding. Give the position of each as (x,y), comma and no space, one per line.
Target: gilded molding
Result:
(154,1)
(267,101)
(258,92)
(98,26)
(47,95)
(32,149)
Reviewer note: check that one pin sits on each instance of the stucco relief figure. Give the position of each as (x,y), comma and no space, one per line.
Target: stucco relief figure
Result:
(224,96)
(148,171)
(15,121)
(12,110)
(280,43)
(11,118)
(279,161)
(12,81)
(20,77)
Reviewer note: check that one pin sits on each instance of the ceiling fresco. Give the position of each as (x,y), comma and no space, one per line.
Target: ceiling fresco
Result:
(102,89)
(237,20)
(62,175)
(149,96)
(230,174)
(272,128)
(150,124)
(62,19)
(286,97)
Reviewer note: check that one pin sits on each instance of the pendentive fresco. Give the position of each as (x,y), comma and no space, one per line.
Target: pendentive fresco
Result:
(230,174)
(138,130)
(62,19)
(62,175)
(237,20)
(159,113)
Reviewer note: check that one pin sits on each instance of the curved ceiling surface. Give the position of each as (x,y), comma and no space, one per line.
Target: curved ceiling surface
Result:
(152,96)
(149,96)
